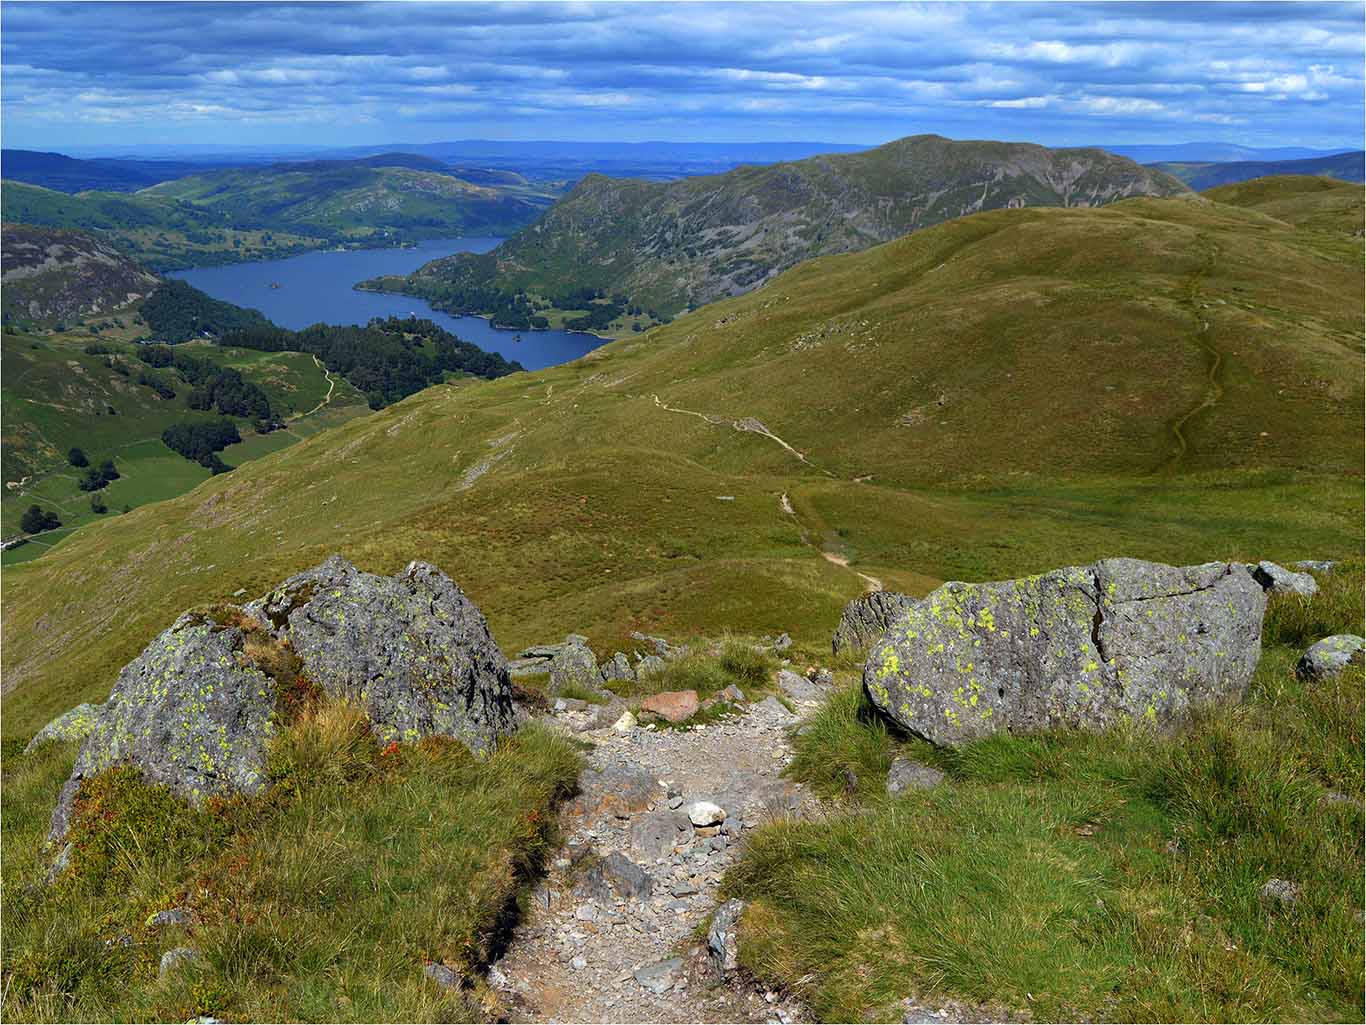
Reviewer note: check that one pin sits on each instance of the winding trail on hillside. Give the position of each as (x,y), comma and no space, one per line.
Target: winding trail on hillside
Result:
(331,386)
(869,582)
(748,423)
(1214,390)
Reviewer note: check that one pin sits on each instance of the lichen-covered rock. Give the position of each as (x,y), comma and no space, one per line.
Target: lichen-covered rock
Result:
(190,713)
(618,667)
(575,667)
(866,619)
(1279,580)
(1330,656)
(412,650)
(649,665)
(73,725)
(1084,647)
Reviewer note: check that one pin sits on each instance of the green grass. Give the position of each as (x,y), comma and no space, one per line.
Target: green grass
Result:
(56,397)
(1064,345)
(737,664)
(1111,877)
(318,901)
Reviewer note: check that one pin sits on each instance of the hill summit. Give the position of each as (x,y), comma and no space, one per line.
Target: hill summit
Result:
(667,246)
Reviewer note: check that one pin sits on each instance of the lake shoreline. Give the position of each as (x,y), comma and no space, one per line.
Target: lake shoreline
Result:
(487,316)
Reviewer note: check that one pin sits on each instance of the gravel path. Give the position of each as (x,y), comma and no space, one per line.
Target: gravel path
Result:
(589,952)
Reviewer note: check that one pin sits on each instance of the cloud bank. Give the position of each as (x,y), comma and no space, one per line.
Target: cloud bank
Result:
(1062,74)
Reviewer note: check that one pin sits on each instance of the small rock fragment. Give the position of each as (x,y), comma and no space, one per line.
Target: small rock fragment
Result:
(175,958)
(906,774)
(705,813)
(1280,892)
(659,978)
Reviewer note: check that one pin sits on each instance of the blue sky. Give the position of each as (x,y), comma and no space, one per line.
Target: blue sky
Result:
(357,74)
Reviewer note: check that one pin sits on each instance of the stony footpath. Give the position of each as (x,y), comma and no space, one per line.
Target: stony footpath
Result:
(613,933)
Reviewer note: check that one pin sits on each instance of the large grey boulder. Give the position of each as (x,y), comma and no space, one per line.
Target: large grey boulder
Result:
(410,649)
(76,724)
(618,667)
(1084,647)
(865,619)
(1279,580)
(191,712)
(1330,656)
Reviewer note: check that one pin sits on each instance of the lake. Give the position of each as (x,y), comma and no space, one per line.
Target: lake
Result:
(317,288)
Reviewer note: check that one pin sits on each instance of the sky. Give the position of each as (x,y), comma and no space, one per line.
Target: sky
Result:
(123,74)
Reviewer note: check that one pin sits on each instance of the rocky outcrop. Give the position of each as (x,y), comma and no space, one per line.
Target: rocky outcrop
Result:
(1330,656)
(73,725)
(195,710)
(1279,580)
(574,667)
(410,649)
(1083,647)
(866,618)
(190,712)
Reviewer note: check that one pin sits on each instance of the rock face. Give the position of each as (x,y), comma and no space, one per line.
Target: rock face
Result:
(189,712)
(411,649)
(866,619)
(1279,580)
(1085,647)
(1330,656)
(73,725)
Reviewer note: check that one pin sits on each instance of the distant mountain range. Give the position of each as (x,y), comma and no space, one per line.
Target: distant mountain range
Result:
(1214,152)
(1348,167)
(668,246)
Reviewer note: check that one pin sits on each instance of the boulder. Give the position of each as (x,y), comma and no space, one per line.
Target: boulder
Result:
(1279,580)
(722,935)
(798,687)
(906,774)
(706,813)
(1324,567)
(661,647)
(1082,647)
(1330,656)
(865,620)
(410,649)
(575,667)
(618,667)
(674,705)
(733,694)
(73,725)
(774,708)
(782,643)
(660,978)
(190,713)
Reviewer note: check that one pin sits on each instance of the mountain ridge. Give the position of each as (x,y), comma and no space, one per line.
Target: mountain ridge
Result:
(668,246)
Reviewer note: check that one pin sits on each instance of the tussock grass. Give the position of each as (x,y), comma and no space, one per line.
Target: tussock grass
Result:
(1110,877)
(737,664)
(318,901)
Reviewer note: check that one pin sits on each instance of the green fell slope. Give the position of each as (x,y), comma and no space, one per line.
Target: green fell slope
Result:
(670,245)
(159,233)
(1175,379)
(357,200)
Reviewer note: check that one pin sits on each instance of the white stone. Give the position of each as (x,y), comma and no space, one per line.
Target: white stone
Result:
(704,813)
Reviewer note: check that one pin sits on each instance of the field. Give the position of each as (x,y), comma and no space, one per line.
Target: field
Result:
(1005,393)
(57,396)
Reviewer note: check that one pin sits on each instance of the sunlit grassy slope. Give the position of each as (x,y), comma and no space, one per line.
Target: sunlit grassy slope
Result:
(1176,379)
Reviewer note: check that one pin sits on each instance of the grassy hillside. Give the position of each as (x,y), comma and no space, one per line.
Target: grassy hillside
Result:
(359,200)
(159,233)
(666,246)
(56,396)
(50,275)
(1176,379)
(1349,167)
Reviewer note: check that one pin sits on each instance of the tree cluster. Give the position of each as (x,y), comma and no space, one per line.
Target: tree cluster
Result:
(36,519)
(213,387)
(177,312)
(387,359)
(97,477)
(201,442)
